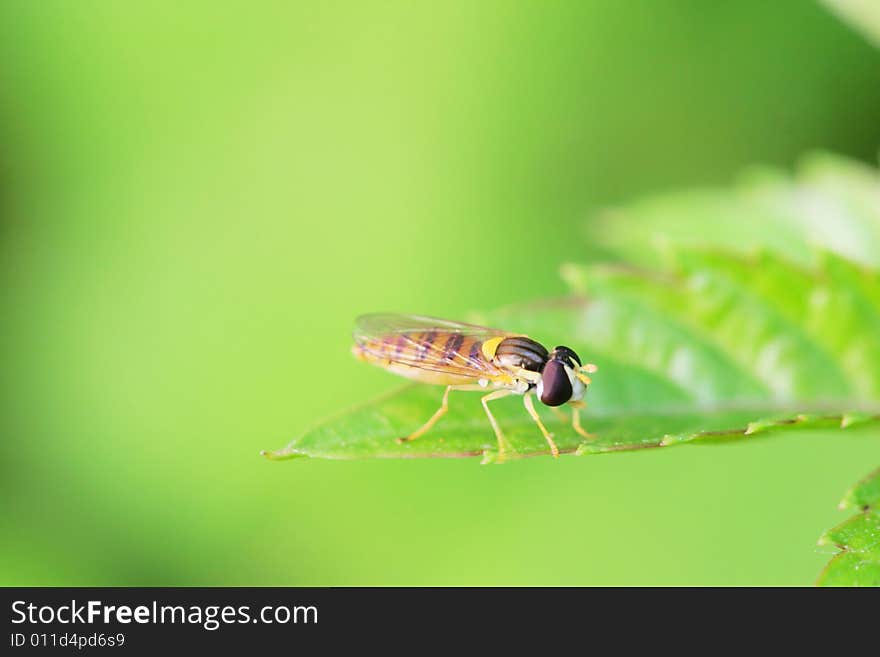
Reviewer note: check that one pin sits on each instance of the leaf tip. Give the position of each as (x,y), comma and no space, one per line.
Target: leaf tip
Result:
(670,439)
(853,419)
(586,447)
(755,427)
(823,540)
(284,454)
(492,457)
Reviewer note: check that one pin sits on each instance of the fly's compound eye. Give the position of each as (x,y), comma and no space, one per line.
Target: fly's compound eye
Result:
(567,354)
(555,384)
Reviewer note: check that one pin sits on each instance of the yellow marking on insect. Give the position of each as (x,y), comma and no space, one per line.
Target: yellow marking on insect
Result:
(491,346)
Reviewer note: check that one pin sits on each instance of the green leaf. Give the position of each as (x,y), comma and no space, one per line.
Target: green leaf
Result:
(721,347)
(864,495)
(858,539)
(863,15)
(830,204)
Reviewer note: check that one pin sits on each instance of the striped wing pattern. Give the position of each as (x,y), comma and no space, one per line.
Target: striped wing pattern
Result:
(426,343)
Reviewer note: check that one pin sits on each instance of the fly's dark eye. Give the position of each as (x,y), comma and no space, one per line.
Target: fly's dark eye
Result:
(556,386)
(567,354)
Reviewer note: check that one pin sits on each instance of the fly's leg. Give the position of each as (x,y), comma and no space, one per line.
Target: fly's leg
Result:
(440,412)
(530,407)
(503,445)
(576,419)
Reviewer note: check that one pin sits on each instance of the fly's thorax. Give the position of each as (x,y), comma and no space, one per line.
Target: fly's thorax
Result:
(519,352)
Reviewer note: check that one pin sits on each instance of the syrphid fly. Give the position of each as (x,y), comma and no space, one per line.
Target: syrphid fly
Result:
(469,357)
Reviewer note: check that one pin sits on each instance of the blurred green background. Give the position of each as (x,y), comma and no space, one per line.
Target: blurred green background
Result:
(196,200)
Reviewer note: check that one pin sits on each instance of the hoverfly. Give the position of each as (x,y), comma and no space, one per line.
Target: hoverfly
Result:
(469,357)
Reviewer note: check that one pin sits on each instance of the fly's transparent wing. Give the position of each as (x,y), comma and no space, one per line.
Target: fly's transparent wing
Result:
(427,343)
(379,324)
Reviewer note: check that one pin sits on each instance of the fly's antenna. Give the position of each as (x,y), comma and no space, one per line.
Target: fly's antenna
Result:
(584,372)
